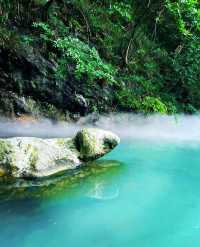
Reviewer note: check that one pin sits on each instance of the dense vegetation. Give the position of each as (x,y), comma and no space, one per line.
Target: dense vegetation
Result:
(60,56)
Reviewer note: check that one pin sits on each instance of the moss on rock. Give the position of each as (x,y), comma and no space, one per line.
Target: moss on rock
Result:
(6,159)
(94,143)
(33,158)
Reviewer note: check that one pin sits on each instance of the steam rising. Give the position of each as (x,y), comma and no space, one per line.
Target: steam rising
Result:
(43,128)
(154,127)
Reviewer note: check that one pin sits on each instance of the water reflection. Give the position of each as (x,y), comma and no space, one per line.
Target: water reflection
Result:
(93,180)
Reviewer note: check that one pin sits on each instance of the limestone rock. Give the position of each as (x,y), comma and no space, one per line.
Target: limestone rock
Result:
(93,143)
(36,157)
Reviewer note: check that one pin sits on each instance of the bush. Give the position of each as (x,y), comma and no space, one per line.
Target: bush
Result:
(127,100)
(87,60)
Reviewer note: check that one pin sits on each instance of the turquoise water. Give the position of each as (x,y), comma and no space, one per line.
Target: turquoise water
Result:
(143,194)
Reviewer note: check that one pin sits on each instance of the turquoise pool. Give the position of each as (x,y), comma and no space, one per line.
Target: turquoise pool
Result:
(143,194)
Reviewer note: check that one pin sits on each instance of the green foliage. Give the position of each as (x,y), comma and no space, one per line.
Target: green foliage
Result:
(17,12)
(40,2)
(128,100)
(153,104)
(27,39)
(121,10)
(9,39)
(187,67)
(186,15)
(45,31)
(147,51)
(61,69)
(87,60)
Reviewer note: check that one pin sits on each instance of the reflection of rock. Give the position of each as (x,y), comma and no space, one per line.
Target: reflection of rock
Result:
(102,188)
(81,181)
(102,191)
(36,157)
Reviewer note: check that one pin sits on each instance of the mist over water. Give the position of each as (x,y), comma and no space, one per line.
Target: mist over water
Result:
(43,128)
(152,127)
(143,193)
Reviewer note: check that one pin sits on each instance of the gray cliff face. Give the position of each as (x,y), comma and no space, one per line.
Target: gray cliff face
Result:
(36,157)
(28,78)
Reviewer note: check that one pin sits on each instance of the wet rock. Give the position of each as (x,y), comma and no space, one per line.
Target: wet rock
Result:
(93,143)
(29,157)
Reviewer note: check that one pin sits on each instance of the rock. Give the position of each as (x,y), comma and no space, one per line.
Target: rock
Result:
(26,71)
(29,157)
(93,143)
(81,100)
(80,103)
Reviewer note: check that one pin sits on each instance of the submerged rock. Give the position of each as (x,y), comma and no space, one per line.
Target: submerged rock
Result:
(36,157)
(83,180)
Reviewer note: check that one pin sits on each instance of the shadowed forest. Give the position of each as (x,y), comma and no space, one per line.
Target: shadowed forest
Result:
(65,59)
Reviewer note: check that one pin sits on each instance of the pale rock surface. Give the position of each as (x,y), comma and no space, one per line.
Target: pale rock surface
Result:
(36,157)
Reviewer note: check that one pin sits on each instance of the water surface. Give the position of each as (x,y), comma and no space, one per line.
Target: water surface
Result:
(145,193)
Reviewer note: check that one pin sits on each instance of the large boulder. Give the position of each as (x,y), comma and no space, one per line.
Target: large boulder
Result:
(93,143)
(36,157)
